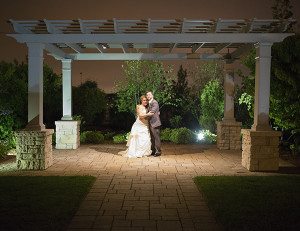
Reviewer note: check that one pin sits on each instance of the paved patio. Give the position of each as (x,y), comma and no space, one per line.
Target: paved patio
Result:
(150,193)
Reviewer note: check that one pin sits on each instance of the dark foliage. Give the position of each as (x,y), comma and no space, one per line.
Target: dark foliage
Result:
(89,102)
(182,136)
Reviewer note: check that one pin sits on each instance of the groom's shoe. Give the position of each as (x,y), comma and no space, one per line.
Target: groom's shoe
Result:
(157,154)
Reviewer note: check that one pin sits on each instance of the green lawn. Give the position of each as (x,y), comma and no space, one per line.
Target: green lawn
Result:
(253,202)
(40,202)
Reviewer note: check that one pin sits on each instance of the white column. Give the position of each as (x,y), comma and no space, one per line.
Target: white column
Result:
(67,131)
(67,89)
(262,87)
(35,86)
(229,93)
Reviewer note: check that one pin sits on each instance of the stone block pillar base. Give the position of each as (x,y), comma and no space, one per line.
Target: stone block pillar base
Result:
(229,135)
(34,149)
(67,134)
(260,150)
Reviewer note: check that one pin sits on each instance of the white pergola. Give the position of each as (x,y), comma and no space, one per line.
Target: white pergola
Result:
(147,39)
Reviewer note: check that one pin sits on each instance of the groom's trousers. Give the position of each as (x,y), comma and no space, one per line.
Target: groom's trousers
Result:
(155,139)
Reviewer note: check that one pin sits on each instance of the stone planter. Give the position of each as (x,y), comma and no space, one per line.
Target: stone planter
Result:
(34,149)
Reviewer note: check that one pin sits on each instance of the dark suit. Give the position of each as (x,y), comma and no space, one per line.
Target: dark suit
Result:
(154,127)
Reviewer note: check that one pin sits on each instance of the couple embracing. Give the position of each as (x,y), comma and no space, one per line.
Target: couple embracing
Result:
(144,137)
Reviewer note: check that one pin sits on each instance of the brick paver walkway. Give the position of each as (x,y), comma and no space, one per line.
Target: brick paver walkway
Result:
(146,193)
(150,193)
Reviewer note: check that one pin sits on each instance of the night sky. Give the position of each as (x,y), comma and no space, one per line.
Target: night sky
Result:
(107,72)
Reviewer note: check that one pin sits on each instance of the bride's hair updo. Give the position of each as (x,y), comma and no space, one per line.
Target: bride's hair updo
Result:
(141,98)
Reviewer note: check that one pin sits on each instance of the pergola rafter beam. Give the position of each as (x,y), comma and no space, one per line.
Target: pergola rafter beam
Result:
(149,25)
(172,47)
(242,50)
(82,27)
(55,51)
(124,47)
(19,28)
(75,47)
(152,38)
(196,47)
(221,46)
(115,26)
(99,48)
(80,35)
(142,56)
(50,28)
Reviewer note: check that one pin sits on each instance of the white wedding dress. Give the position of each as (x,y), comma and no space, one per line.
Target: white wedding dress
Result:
(139,141)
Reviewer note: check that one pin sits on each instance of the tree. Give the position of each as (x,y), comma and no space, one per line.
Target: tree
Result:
(285,83)
(204,72)
(181,114)
(201,75)
(140,77)
(13,91)
(181,85)
(117,119)
(89,102)
(282,9)
(181,91)
(212,105)
(52,97)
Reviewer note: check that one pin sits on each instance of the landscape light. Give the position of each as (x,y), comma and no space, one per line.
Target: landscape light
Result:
(200,135)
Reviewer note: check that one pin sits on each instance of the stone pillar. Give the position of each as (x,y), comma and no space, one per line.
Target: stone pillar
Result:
(34,143)
(229,135)
(34,149)
(67,134)
(67,89)
(260,144)
(260,150)
(67,130)
(229,130)
(35,86)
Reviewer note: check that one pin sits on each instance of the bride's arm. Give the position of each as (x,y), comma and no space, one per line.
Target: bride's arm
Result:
(141,113)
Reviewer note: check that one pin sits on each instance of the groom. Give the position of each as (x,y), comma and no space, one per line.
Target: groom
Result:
(154,124)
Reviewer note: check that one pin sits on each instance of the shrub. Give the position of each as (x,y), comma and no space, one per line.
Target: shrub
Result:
(176,121)
(82,137)
(54,138)
(208,137)
(165,134)
(182,136)
(109,135)
(3,149)
(6,129)
(92,137)
(82,121)
(121,138)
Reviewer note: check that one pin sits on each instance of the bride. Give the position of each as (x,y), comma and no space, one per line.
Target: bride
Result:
(139,141)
